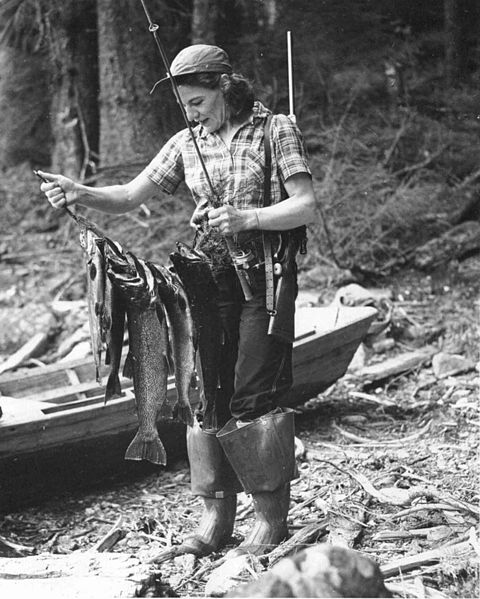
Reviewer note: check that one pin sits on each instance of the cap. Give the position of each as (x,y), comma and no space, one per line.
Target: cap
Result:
(199,58)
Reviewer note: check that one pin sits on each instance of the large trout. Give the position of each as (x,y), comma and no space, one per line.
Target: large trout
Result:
(194,271)
(174,298)
(147,359)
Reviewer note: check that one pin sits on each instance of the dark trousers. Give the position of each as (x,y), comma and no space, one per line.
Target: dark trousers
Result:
(255,370)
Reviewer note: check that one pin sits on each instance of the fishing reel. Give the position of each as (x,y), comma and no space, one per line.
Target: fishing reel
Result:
(244,260)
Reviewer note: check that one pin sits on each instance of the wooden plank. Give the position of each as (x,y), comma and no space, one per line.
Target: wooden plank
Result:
(74,380)
(67,391)
(397,365)
(17,409)
(80,574)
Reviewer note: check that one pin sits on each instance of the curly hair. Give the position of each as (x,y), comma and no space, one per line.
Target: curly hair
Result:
(237,89)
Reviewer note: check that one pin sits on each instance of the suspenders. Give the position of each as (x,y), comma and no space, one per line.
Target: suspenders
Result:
(266,235)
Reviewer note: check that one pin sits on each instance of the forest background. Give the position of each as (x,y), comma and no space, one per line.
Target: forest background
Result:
(387,96)
(388,99)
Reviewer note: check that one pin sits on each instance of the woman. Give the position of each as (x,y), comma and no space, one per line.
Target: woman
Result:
(250,446)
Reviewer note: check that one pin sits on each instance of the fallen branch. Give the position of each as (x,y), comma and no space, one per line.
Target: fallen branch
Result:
(427,506)
(396,365)
(301,539)
(363,440)
(458,241)
(111,538)
(400,497)
(307,501)
(369,397)
(14,549)
(433,556)
(34,346)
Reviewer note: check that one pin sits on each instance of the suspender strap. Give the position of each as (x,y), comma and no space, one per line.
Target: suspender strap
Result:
(267,240)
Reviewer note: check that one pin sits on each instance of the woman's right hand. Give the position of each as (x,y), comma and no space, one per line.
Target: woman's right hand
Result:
(60,191)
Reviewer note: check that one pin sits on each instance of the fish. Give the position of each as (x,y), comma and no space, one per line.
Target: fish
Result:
(148,347)
(174,298)
(91,240)
(113,324)
(194,271)
(95,267)
(148,340)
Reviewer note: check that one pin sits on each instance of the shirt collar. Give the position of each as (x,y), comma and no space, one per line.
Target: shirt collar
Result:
(260,112)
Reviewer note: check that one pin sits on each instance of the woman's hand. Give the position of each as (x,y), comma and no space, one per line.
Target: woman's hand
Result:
(60,191)
(229,220)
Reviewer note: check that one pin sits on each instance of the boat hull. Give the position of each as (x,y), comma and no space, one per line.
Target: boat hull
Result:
(55,416)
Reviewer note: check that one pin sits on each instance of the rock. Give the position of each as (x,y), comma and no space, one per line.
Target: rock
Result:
(320,571)
(383,345)
(356,295)
(444,364)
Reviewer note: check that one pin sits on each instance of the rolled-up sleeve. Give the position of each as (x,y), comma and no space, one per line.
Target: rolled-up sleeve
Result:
(167,169)
(290,153)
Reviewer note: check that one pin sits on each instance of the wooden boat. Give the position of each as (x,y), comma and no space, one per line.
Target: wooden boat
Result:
(57,409)
(61,404)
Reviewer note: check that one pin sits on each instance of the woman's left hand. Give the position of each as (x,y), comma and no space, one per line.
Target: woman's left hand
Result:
(229,220)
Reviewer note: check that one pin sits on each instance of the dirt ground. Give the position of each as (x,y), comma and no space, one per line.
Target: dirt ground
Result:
(390,467)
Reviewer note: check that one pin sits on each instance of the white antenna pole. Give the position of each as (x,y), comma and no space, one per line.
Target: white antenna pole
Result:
(291,103)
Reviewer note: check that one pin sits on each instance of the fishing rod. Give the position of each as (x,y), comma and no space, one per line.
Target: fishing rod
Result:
(238,256)
(291,96)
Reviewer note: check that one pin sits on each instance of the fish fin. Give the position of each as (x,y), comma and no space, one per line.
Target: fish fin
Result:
(128,366)
(184,414)
(151,450)
(113,388)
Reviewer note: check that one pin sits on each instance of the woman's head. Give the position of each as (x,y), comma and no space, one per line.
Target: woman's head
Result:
(235,89)
(209,89)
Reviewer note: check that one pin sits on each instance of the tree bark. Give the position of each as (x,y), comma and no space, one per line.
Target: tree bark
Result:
(132,122)
(204,18)
(73,112)
(24,102)
(454,59)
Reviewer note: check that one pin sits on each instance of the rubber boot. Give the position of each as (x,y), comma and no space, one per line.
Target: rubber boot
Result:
(262,453)
(213,479)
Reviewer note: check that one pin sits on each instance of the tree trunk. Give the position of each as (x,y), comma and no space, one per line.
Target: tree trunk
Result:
(204,18)
(271,13)
(132,122)
(453,41)
(24,102)
(74,112)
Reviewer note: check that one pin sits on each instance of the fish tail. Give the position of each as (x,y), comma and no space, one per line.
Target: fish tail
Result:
(184,414)
(146,449)
(113,388)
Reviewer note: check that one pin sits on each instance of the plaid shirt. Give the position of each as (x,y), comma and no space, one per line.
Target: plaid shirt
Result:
(236,173)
